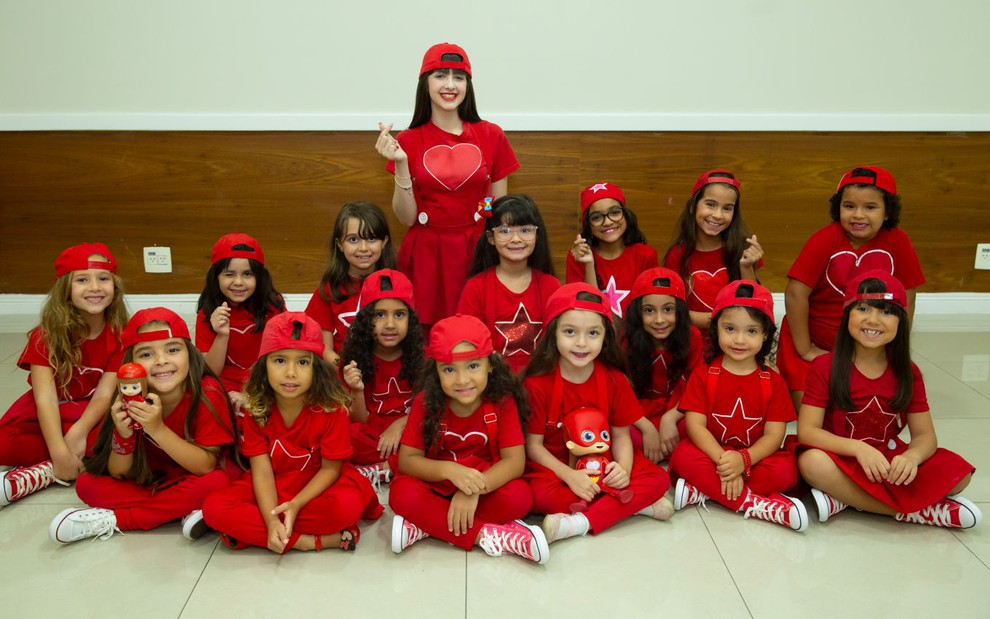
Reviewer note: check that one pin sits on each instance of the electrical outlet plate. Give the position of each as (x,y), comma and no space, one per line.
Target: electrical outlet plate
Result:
(983,256)
(157,260)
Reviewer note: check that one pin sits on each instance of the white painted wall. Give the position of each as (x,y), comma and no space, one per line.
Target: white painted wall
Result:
(574,64)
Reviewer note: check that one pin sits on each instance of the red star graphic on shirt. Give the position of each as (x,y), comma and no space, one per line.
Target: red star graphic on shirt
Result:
(392,393)
(743,419)
(615,296)
(662,361)
(871,423)
(520,333)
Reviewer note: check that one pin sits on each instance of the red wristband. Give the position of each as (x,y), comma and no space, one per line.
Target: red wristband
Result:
(121,445)
(747,461)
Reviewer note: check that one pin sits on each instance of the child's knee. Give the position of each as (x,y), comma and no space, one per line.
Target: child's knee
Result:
(814,465)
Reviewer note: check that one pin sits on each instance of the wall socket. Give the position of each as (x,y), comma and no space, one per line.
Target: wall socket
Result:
(983,256)
(159,259)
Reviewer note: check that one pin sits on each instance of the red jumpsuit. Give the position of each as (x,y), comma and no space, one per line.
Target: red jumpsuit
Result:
(736,414)
(242,345)
(470,441)
(515,319)
(21,440)
(387,401)
(616,276)
(180,492)
(296,454)
(608,390)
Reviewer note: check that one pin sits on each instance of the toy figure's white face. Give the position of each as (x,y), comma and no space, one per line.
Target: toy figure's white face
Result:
(130,389)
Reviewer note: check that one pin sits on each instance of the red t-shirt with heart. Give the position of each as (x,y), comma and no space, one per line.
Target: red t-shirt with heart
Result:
(242,344)
(707,275)
(335,317)
(96,356)
(828,262)
(514,318)
(465,439)
(315,435)
(616,276)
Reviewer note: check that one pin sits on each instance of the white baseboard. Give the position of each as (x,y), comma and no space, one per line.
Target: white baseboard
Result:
(936,311)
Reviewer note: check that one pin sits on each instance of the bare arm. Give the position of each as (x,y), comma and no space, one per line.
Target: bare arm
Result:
(796,304)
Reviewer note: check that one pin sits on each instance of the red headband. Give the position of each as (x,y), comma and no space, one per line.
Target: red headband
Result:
(644,285)
(372,290)
(566,298)
(600,191)
(706,178)
(77,259)
(176,327)
(224,248)
(895,292)
(449,332)
(882,180)
(433,59)
(292,331)
(762,299)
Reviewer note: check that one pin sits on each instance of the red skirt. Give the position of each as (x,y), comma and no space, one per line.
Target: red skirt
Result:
(437,260)
(791,366)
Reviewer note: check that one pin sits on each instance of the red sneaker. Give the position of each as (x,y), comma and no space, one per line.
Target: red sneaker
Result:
(517,538)
(405,534)
(21,481)
(827,505)
(776,508)
(955,512)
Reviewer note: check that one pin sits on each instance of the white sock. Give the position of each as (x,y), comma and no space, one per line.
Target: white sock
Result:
(571,525)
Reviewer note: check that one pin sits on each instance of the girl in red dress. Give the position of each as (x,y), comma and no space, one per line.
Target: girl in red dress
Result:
(462,453)
(611,249)
(383,358)
(658,329)
(301,493)
(737,411)
(857,399)
(712,245)
(511,278)
(72,357)
(360,245)
(142,479)
(237,300)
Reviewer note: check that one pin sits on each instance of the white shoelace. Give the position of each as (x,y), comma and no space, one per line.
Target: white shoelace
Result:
(767,509)
(412,533)
(495,541)
(939,515)
(29,479)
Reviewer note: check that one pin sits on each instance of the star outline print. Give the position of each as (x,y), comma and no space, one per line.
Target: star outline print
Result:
(380,398)
(741,409)
(277,444)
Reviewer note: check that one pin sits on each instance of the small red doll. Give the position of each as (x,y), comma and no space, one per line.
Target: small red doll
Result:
(590,443)
(132,381)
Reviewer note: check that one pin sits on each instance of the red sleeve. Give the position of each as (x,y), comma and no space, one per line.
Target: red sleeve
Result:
(509,431)
(647,257)
(695,398)
(505,162)
(575,270)
(204,333)
(907,268)
(625,408)
(814,257)
(35,352)
(255,441)
(919,398)
(319,310)
(816,384)
(538,396)
(335,442)
(780,407)
(211,427)
(672,260)
(412,436)
(472,300)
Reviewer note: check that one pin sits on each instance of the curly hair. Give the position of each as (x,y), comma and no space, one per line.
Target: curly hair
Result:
(360,346)
(712,349)
(891,201)
(265,299)
(640,346)
(325,392)
(546,356)
(502,383)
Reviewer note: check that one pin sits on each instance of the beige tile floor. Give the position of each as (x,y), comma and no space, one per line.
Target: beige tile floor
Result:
(701,564)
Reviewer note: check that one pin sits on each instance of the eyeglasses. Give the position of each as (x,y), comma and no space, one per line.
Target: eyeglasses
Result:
(505,233)
(615,214)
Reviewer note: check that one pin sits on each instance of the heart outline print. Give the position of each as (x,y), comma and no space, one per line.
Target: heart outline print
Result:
(843,266)
(464,443)
(452,166)
(713,283)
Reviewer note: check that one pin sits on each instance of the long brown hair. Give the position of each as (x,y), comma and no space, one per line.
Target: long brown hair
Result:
(546,357)
(372,224)
(325,392)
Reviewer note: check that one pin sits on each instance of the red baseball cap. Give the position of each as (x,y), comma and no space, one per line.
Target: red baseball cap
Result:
(761,301)
(657,281)
(76,258)
(894,289)
(706,178)
(386,284)
(433,59)
(878,177)
(227,247)
(131,371)
(600,191)
(566,298)
(292,330)
(449,332)
(176,326)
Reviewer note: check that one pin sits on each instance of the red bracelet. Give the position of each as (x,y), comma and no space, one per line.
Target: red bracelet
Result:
(121,445)
(747,461)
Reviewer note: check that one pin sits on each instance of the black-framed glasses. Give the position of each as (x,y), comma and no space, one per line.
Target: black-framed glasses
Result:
(615,214)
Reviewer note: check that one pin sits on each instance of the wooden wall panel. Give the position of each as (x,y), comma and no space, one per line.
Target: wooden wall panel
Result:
(185,189)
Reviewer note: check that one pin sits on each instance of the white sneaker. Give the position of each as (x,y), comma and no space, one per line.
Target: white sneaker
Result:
(516,538)
(827,505)
(193,525)
(405,534)
(21,481)
(685,494)
(77,523)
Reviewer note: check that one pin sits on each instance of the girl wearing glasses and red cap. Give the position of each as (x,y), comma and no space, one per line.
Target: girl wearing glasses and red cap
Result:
(445,163)
(72,357)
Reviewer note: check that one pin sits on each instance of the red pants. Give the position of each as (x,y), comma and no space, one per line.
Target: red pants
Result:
(421,503)
(775,473)
(648,482)
(139,507)
(21,440)
(234,511)
(365,444)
